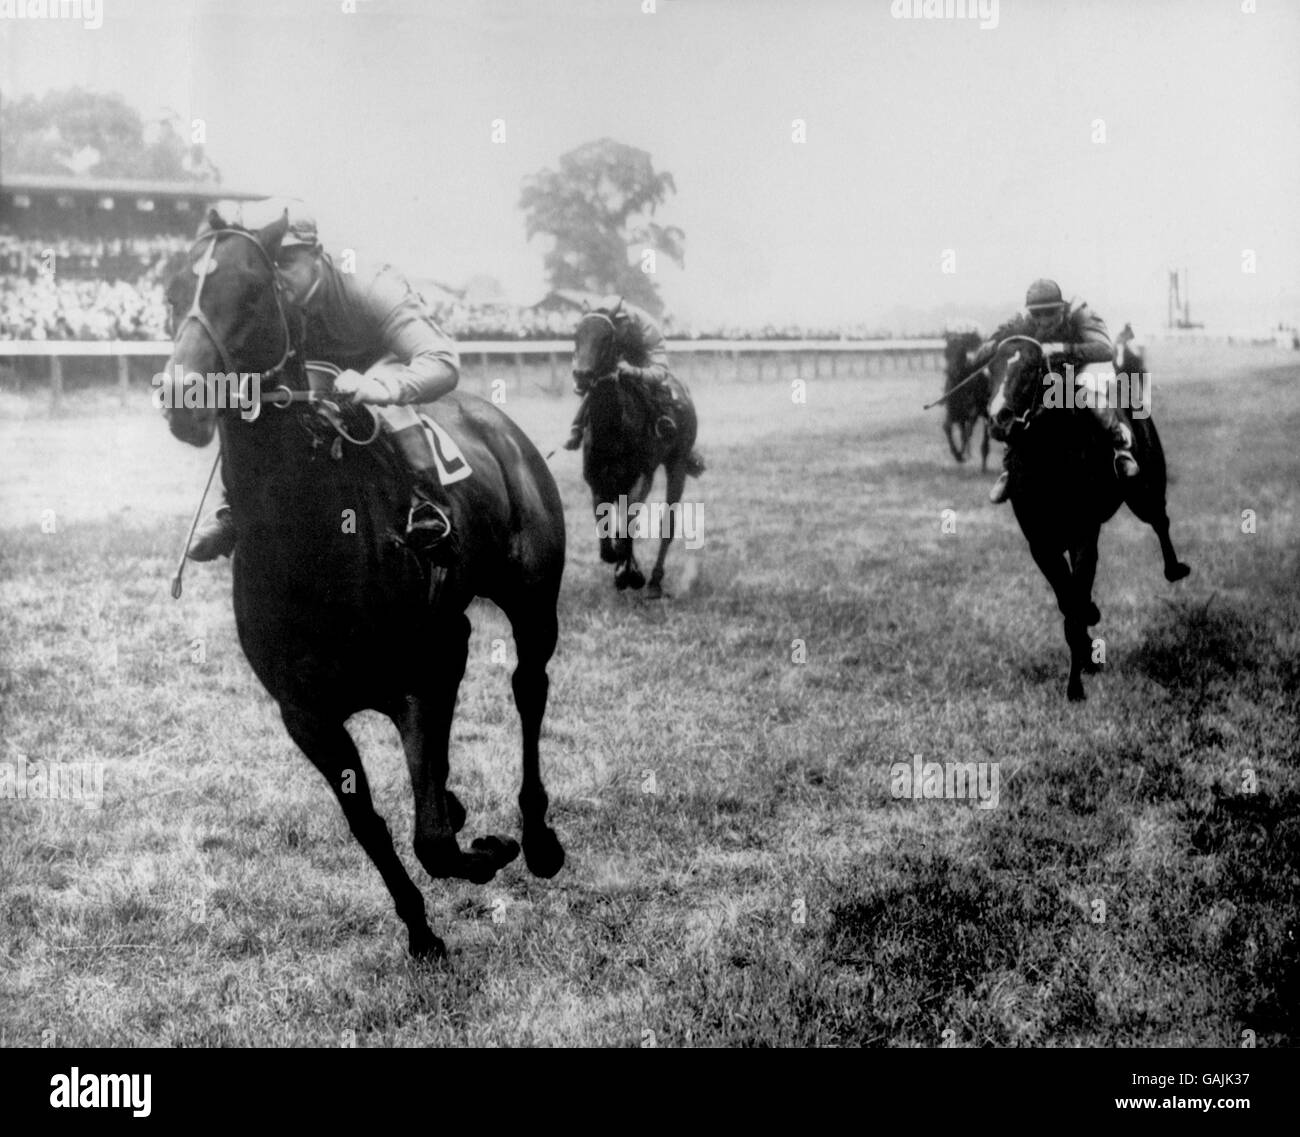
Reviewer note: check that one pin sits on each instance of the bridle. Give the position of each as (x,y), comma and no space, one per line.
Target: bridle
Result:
(1021,420)
(202,270)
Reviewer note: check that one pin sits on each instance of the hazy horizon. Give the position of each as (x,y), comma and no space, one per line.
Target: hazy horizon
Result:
(922,136)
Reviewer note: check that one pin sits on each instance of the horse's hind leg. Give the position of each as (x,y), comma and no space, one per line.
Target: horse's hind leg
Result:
(676,486)
(957,451)
(984,447)
(1147,507)
(334,754)
(1147,498)
(426,738)
(535,631)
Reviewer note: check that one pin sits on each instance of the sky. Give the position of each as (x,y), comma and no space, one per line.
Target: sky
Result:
(944,165)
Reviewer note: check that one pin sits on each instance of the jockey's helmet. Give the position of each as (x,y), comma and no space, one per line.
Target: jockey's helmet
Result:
(1044,297)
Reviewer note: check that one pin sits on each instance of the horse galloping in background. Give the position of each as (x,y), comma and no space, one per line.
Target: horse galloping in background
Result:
(629,435)
(336,618)
(1064,487)
(969,403)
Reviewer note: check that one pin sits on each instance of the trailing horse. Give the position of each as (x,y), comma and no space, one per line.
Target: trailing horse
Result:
(969,403)
(335,614)
(626,442)
(1064,488)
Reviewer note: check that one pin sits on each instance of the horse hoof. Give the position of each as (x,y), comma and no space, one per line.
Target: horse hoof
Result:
(1091,668)
(543,853)
(487,856)
(608,555)
(620,581)
(1177,572)
(636,579)
(1074,692)
(426,946)
(654,591)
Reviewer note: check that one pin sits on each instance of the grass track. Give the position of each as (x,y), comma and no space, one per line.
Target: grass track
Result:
(216,897)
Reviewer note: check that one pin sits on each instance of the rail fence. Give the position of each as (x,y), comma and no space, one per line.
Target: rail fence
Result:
(692,360)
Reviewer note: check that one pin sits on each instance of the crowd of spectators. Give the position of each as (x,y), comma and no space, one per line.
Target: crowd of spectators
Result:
(78,288)
(75,288)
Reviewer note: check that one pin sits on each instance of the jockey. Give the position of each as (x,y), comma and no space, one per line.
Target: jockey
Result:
(642,355)
(1077,336)
(379,331)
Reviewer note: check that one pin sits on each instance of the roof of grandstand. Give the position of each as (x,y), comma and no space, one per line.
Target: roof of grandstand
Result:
(70,183)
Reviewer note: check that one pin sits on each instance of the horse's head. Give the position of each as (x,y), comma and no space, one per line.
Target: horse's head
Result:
(1015,374)
(226,311)
(595,346)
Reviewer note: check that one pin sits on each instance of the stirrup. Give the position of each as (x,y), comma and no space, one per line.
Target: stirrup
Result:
(428,534)
(574,441)
(1126,466)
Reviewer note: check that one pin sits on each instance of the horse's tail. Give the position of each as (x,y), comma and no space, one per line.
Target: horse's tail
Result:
(694,464)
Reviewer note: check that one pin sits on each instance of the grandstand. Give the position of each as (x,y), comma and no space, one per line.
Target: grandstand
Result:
(83,258)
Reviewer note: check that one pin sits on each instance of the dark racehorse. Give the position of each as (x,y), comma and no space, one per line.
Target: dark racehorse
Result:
(334,613)
(968,405)
(1064,488)
(627,441)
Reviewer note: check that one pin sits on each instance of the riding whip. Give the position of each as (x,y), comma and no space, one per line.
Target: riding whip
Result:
(180,568)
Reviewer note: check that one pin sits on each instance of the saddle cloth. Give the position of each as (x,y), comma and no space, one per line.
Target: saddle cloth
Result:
(452,465)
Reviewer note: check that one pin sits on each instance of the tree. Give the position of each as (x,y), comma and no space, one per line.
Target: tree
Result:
(84,132)
(599,206)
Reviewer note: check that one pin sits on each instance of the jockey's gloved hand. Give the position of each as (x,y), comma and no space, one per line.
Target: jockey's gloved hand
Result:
(1055,348)
(627,370)
(357,388)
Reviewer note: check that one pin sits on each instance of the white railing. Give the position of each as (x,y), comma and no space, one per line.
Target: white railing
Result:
(691,359)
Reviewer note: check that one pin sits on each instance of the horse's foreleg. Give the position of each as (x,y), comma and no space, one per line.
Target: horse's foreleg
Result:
(676,486)
(334,754)
(1051,561)
(1084,558)
(628,574)
(608,544)
(984,447)
(426,738)
(535,631)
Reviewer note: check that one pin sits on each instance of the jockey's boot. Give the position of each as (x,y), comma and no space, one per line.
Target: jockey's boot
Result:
(576,430)
(1121,439)
(428,521)
(1002,487)
(215,537)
